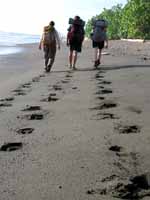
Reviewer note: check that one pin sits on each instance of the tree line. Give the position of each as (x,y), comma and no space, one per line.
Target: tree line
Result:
(130,21)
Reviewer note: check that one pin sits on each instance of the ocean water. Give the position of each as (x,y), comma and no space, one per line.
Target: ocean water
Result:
(9,41)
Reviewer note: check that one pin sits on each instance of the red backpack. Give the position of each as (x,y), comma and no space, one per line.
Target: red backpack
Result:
(76,33)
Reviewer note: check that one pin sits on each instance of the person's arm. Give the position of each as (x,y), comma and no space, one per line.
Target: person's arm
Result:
(68,35)
(41,43)
(83,34)
(57,39)
(67,39)
(106,42)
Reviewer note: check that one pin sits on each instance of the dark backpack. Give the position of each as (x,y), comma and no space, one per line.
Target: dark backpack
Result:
(99,34)
(76,33)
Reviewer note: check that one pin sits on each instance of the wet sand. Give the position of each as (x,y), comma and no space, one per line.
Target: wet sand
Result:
(80,134)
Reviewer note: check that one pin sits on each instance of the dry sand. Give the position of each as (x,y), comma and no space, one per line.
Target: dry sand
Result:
(76,135)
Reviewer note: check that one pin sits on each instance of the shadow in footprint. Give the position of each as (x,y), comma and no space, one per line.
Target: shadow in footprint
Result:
(102,116)
(105,82)
(25,131)
(127,129)
(100,98)
(68,76)
(104,91)
(7,99)
(26,85)
(32,108)
(105,105)
(50,99)
(35,116)
(57,87)
(19,92)
(65,81)
(5,104)
(97,76)
(74,88)
(11,146)
(115,148)
(101,87)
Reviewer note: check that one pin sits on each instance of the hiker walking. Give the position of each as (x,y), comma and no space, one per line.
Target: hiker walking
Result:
(75,38)
(99,39)
(50,39)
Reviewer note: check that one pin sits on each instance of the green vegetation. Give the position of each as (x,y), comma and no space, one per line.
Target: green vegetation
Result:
(130,21)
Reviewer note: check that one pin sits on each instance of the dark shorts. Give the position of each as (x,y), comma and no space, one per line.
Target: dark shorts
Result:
(100,45)
(75,45)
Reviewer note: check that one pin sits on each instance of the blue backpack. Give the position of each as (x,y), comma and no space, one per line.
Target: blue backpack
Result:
(99,32)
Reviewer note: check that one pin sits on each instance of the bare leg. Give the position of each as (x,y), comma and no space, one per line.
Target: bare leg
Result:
(70,58)
(46,62)
(50,64)
(99,55)
(52,61)
(74,59)
(95,53)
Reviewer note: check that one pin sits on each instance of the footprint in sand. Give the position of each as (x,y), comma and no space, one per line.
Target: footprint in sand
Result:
(34,116)
(11,146)
(26,85)
(19,92)
(105,105)
(25,131)
(31,108)
(50,99)
(101,87)
(97,76)
(104,91)
(100,98)
(103,116)
(115,148)
(52,94)
(105,82)
(75,88)
(65,81)
(5,104)
(127,129)
(7,99)
(57,87)
(68,76)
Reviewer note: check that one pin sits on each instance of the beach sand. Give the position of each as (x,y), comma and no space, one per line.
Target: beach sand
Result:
(76,135)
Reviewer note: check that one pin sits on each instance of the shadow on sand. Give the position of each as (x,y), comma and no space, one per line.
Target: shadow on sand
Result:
(106,67)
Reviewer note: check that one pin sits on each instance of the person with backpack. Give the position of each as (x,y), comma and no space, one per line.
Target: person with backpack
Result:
(50,39)
(99,38)
(75,38)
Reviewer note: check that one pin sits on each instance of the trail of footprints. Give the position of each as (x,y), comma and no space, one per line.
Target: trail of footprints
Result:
(131,186)
(136,187)
(34,112)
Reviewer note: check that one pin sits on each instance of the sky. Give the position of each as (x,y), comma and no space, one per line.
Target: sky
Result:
(29,16)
